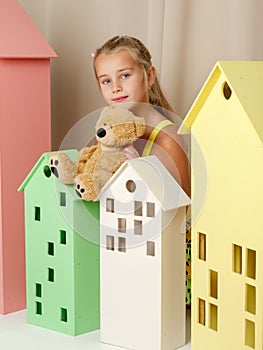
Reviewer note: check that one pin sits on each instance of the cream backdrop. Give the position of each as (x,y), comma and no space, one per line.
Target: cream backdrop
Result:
(185,37)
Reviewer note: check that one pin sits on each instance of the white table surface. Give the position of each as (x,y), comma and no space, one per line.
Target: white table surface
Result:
(16,333)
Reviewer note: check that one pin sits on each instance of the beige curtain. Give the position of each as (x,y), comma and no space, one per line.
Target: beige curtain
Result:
(186,38)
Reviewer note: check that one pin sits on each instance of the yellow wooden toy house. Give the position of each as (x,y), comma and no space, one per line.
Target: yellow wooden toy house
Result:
(226,120)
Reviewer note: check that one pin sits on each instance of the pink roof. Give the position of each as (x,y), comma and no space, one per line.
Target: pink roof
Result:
(19,37)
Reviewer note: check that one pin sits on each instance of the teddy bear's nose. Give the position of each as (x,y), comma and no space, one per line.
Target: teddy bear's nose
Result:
(101,132)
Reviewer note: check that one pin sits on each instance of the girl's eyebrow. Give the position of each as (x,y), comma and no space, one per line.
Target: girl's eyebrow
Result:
(121,70)
(102,76)
(118,71)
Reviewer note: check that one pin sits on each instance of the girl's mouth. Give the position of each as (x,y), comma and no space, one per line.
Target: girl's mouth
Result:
(120,99)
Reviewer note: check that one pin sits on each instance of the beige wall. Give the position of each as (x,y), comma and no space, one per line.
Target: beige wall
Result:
(186,38)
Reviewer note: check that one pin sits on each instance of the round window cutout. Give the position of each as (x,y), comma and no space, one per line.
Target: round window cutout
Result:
(47,171)
(227,91)
(130,185)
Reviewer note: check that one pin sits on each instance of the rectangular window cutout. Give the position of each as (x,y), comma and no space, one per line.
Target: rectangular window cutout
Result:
(201,311)
(63,314)
(137,227)
(202,246)
(51,275)
(38,290)
(251,263)
(150,210)
(251,299)
(110,205)
(150,248)
(121,225)
(237,259)
(138,208)
(62,196)
(110,242)
(63,237)
(250,333)
(213,284)
(213,317)
(122,244)
(37,214)
(38,308)
(50,248)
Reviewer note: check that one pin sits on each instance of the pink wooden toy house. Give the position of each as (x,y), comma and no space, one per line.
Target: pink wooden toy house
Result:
(24,134)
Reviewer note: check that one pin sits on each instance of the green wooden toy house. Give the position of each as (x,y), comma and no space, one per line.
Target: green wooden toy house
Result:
(62,254)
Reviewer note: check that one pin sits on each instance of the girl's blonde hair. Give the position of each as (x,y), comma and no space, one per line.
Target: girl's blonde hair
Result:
(142,57)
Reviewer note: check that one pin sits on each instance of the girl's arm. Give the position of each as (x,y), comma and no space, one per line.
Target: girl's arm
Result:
(167,148)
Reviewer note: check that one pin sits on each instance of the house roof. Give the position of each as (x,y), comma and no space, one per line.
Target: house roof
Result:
(160,182)
(245,78)
(43,159)
(19,37)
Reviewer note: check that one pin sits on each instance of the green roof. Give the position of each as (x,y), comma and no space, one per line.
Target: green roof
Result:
(44,158)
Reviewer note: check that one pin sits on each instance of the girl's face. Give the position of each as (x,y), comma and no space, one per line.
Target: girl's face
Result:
(121,79)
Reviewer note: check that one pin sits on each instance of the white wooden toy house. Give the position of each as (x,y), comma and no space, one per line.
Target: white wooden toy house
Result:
(142,214)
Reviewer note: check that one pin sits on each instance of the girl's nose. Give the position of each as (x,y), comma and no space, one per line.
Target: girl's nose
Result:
(116,87)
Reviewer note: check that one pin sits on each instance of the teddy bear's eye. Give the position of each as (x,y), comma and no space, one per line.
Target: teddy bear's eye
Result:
(104,124)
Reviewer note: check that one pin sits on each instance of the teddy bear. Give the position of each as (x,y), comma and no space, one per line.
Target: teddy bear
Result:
(116,128)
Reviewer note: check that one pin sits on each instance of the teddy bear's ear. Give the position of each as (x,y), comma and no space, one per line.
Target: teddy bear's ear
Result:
(139,124)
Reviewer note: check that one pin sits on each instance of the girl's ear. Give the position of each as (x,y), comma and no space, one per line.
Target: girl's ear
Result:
(151,75)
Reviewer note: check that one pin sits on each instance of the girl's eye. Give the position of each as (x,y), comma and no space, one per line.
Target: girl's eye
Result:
(125,75)
(105,82)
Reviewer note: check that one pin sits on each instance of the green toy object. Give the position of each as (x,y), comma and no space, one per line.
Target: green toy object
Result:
(62,253)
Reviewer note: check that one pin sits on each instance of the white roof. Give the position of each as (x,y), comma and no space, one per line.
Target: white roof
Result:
(160,182)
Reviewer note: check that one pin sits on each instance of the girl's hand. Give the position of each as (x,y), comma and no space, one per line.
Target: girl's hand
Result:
(130,152)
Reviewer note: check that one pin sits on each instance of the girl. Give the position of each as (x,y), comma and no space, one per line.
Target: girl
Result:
(125,75)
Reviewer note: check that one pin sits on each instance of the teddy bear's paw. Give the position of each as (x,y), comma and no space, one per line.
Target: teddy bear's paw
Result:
(62,167)
(80,190)
(84,187)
